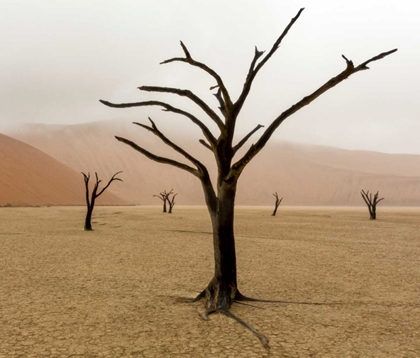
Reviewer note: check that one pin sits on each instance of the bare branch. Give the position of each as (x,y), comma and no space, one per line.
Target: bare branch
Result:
(114,178)
(171,144)
(97,179)
(243,141)
(349,63)
(257,55)
(192,97)
(254,149)
(203,142)
(209,136)
(365,197)
(253,70)
(222,106)
(188,59)
(363,66)
(86,178)
(187,54)
(158,158)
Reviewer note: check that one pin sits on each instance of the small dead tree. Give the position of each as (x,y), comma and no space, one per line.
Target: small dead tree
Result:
(171,203)
(222,289)
(276,204)
(164,197)
(90,201)
(371,202)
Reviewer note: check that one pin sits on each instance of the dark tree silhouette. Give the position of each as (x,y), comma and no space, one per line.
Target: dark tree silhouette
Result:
(171,203)
(276,204)
(164,197)
(90,201)
(371,202)
(222,290)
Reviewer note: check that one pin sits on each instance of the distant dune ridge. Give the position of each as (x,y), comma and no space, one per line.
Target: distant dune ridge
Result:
(302,174)
(30,177)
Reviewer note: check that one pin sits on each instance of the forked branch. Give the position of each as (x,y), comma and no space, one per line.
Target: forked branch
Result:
(154,129)
(114,177)
(254,68)
(243,141)
(188,59)
(203,142)
(189,94)
(159,159)
(167,107)
(346,73)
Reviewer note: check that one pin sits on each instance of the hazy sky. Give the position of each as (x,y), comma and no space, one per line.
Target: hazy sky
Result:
(58,58)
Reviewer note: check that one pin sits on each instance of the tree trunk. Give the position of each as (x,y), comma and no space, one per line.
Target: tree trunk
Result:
(88,220)
(222,289)
(373,212)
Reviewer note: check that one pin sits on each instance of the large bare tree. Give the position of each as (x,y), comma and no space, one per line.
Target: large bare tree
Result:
(90,200)
(276,204)
(371,202)
(222,290)
(164,196)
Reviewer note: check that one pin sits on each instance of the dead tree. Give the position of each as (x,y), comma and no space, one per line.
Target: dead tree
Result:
(222,289)
(371,202)
(90,201)
(164,197)
(171,203)
(276,204)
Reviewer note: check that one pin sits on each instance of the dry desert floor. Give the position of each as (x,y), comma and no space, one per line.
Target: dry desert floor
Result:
(352,285)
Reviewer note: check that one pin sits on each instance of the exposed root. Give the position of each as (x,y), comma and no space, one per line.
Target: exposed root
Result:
(262,338)
(248,304)
(200,296)
(222,306)
(239,297)
(205,315)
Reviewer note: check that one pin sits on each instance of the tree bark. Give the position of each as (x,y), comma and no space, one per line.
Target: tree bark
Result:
(222,289)
(88,220)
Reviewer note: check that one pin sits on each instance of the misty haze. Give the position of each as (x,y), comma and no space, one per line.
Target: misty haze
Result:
(326,274)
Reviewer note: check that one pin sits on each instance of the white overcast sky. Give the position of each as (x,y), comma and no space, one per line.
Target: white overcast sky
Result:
(58,58)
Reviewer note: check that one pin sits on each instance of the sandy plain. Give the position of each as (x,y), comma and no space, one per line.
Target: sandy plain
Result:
(353,285)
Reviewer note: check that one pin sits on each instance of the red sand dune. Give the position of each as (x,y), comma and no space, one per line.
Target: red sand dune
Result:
(30,177)
(302,174)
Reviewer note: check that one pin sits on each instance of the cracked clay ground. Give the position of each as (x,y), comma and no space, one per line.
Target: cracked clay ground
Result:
(353,284)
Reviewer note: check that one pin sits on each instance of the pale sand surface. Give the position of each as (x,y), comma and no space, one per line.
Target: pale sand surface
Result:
(109,293)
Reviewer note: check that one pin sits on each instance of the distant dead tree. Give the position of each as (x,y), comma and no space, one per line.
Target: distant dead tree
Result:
(164,196)
(371,202)
(276,204)
(222,289)
(171,203)
(90,201)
